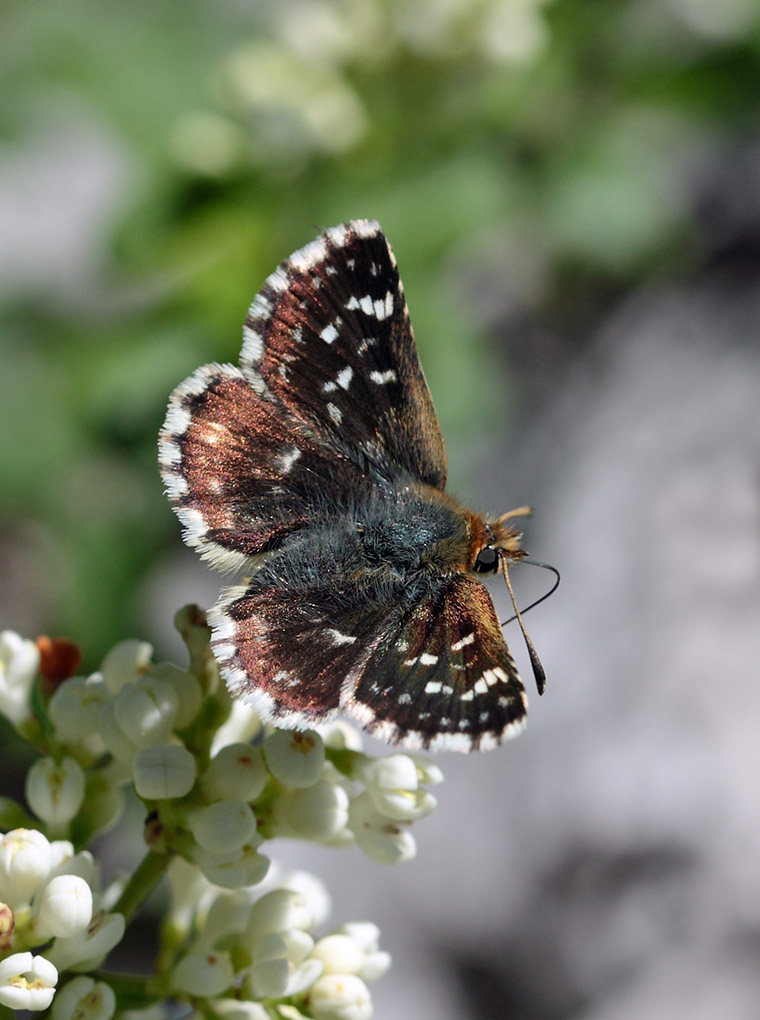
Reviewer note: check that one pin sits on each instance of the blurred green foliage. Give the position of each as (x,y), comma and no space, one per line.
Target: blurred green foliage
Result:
(159,158)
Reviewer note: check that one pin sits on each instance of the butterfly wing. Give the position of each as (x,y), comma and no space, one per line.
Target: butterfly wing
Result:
(329,335)
(241,471)
(329,400)
(434,675)
(442,677)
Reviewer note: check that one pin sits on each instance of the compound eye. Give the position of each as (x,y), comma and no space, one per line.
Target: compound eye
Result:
(487,561)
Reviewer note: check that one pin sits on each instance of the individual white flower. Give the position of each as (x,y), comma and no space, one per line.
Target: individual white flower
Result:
(340,997)
(146,711)
(367,935)
(281,910)
(27,982)
(295,757)
(281,965)
(75,709)
(62,852)
(85,949)
(318,812)
(19,663)
(228,915)
(115,739)
(55,790)
(239,1009)
(224,826)
(185,686)
(313,893)
(203,973)
(339,954)
(83,998)
(125,663)
(25,862)
(378,836)
(163,771)
(191,895)
(341,736)
(245,866)
(64,906)
(393,783)
(66,862)
(237,772)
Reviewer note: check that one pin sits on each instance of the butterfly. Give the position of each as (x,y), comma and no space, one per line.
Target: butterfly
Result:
(318,467)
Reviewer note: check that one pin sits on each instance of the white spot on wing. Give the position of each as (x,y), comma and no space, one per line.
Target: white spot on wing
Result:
(433,687)
(339,638)
(286,460)
(381,378)
(428,660)
(329,333)
(463,642)
(335,413)
(345,377)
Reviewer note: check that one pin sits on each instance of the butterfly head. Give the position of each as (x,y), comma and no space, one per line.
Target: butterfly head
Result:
(493,540)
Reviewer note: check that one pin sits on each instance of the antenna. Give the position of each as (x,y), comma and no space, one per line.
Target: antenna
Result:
(538,669)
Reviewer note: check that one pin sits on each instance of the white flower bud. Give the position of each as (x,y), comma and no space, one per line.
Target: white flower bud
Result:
(281,966)
(163,771)
(203,973)
(75,708)
(89,946)
(427,771)
(341,736)
(54,790)
(19,663)
(27,982)
(114,737)
(224,826)
(340,997)
(227,915)
(312,891)
(237,772)
(269,969)
(374,966)
(367,936)
(64,907)
(25,862)
(83,998)
(185,686)
(239,1009)
(339,954)
(66,862)
(280,910)
(376,835)
(365,933)
(393,784)
(126,663)
(146,711)
(318,812)
(233,871)
(191,895)
(295,757)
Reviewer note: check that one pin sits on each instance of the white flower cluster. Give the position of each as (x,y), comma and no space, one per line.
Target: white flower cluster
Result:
(263,947)
(216,785)
(289,94)
(48,897)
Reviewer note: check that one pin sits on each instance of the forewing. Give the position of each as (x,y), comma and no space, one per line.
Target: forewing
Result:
(442,677)
(329,335)
(241,471)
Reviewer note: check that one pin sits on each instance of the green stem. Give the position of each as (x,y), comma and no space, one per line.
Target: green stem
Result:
(148,874)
